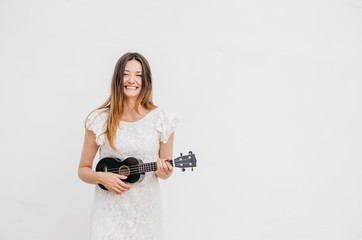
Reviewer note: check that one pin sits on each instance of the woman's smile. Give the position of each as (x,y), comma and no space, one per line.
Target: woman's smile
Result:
(131,87)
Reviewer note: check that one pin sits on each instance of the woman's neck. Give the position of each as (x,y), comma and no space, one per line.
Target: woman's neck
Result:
(129,106)
(129,111)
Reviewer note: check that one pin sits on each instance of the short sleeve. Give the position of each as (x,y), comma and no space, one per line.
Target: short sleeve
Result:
(166,124)
(96,122)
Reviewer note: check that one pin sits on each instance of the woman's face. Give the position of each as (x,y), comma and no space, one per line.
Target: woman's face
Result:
(132,79)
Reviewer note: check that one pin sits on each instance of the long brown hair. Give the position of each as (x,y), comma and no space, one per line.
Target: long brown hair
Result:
(114,103)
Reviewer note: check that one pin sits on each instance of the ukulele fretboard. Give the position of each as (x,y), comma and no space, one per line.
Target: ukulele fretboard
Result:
(150,167)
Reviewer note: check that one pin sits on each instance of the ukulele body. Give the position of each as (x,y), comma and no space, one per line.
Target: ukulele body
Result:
(128,167)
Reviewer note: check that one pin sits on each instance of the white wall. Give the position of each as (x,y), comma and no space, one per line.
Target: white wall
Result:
(268,93)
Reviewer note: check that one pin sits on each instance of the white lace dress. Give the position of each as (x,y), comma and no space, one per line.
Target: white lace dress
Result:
(137,213)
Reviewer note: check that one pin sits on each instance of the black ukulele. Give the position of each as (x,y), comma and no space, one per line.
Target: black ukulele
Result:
(135,169)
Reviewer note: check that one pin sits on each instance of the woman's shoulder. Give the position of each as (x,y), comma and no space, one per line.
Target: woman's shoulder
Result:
(166,123)
(164,115)
(97,116)
(103,113)
(96,121)
(161,112)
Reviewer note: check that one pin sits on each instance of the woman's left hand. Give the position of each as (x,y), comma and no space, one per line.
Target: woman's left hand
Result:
(164,169)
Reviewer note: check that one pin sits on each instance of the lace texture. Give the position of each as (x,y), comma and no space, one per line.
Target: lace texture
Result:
(96,122)
(166,125)
(137,213)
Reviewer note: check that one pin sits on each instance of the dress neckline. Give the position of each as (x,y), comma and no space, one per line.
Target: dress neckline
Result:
(140,120)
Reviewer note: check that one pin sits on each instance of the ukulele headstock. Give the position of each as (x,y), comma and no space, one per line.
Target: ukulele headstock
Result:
(186,161)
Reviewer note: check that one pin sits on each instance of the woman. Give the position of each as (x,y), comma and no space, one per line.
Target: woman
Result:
(128,124)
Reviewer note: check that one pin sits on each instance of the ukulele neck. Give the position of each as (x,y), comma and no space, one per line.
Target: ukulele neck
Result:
(151,167)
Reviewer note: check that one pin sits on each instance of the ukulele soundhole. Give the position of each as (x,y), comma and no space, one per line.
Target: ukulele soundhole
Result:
(124,170)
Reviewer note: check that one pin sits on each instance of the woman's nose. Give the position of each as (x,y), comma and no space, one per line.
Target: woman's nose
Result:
(131,79)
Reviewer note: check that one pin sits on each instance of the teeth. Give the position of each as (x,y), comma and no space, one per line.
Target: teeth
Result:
(131,87)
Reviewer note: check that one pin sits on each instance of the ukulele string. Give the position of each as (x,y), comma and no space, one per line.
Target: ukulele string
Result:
(131,167)
(136,166)
(134,170)
(130,173)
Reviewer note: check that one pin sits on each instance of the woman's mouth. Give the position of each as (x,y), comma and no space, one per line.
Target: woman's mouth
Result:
(131,87)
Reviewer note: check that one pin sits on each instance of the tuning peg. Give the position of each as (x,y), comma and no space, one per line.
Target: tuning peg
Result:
(180,154)
(190,152)
(192,169)
(183,169)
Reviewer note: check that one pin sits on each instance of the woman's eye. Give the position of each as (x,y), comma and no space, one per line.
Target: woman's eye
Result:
(139,75)
(126,74)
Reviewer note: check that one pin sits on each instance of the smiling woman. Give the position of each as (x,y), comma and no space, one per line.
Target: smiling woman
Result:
(128,124)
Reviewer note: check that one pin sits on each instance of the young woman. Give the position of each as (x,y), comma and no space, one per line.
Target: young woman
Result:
(128,124)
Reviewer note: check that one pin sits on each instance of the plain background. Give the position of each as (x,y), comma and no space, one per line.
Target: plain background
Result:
(268,94)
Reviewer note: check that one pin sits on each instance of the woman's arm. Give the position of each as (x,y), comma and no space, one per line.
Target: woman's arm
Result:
(164,169)
(110,180)
(89,151)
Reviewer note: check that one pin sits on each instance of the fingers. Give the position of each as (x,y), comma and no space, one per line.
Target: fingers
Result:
(121,183)
(124,186)
(118,186)
(164,169)
(119,189)
(116,190)
(121,176)
(169,167)
(164,165)
(161,165)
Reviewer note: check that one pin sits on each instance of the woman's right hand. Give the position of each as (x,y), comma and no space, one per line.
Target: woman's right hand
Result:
(113,183)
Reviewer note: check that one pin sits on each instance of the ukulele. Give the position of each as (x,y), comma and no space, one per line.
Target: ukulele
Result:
(135,169)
